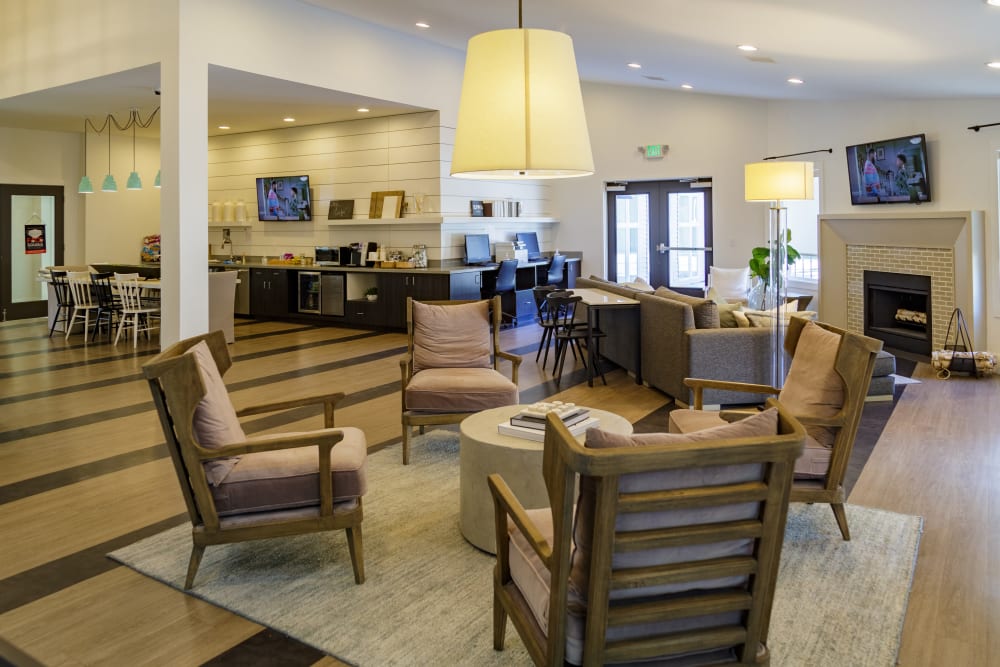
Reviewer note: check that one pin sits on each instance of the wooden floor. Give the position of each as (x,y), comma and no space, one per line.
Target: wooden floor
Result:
(83,471)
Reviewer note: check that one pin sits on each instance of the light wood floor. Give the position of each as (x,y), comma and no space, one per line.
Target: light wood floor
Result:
(83,471)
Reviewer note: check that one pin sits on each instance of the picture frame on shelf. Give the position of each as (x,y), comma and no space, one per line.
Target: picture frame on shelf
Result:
(341,209)
(378,209)
(477,210)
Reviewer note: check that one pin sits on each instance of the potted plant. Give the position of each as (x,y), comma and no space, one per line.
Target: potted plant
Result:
(371,293)
(760,270)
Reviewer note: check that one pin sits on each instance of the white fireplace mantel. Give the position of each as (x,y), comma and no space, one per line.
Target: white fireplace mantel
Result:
(962,232)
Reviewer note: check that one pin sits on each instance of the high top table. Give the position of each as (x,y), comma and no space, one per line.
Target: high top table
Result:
(485,451)
(597,300)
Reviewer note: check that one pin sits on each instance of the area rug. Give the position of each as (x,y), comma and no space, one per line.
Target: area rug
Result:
(428,600)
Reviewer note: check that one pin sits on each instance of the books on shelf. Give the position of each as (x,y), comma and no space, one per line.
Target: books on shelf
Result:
(538,435)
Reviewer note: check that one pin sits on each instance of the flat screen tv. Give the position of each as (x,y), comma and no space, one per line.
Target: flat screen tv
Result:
(284,198)
(891,171)
(477,249)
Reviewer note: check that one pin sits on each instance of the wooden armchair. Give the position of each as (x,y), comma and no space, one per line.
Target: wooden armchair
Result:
(825,390)
(671,549)
(240,488)
(450,367)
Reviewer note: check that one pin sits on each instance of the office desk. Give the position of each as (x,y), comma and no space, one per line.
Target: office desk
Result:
(597,300)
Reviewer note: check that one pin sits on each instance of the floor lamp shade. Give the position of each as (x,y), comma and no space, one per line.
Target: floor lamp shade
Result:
(521,112)
(775,181)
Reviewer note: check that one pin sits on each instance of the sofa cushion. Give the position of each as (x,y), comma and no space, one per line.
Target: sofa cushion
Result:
(727,315)
(706,313)
(455,336)
(459,390)
(813,388)
(215,423)
(289,478)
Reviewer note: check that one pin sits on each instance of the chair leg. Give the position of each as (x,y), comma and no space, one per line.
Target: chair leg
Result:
(72,323)
(406,443)
(499,623)
(121,325)
(841,516)
(55,320)
(197,550)
(354,545)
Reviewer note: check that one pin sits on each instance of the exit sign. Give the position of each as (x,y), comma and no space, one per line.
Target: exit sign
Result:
(653,151)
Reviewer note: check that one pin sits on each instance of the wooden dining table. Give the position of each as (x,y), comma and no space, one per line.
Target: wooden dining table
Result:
(597,300)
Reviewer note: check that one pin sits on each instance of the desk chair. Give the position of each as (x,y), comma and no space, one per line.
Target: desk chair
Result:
(555,276)
(505,287)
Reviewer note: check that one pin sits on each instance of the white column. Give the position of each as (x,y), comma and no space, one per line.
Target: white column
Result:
(184,194)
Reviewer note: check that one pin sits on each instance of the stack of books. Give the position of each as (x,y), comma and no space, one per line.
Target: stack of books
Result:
(529,423)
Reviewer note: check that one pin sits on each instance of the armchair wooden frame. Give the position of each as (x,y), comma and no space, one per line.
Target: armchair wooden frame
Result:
(855,363)
(420,419)
(177,388)
(563,460)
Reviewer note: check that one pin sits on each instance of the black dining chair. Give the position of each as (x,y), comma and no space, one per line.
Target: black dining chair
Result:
(109,306)
(546,320)
(555,275)
(64,299)
(506,285)
(571,332)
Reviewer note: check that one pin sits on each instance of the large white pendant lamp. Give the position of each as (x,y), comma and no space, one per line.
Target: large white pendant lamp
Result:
(521,112)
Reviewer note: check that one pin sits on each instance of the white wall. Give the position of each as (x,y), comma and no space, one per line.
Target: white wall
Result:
(709,136)
(30,157)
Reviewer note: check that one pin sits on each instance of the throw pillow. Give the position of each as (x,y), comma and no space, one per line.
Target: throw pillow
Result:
(451,336)
(215,422)
(813,388)
(727,315)
(639,285)
(742,321)
(706,312)
(761,424)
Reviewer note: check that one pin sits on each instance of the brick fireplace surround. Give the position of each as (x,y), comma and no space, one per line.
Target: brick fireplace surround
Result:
(948,246)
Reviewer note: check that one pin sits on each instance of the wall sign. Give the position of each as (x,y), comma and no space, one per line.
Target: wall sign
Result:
(34,240)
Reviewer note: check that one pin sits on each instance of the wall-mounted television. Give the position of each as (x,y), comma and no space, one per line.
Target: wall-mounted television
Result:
(891,171)
(284,198)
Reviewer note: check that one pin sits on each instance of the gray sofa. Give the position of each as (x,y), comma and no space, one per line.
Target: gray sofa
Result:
(673,348)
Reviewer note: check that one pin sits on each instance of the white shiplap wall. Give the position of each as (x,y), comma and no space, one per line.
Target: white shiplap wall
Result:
(350,160)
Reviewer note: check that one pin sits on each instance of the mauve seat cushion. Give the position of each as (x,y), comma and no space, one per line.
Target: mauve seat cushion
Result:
(459,390)
(289,478)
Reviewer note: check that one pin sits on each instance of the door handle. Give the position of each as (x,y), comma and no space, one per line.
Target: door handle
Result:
(662,248)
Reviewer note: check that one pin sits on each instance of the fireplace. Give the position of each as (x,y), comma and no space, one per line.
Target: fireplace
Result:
(898,311)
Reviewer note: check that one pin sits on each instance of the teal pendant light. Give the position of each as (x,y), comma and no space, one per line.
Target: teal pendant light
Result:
(85,187)
(109,184)
(156,183)
(134,182)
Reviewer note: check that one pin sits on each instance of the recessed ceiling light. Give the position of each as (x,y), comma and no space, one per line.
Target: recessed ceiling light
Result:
(363,109)
(995,3)
(288,120)
(995,64)
(794,81)
(223,127)
(635,65)
(686,86)
(746,47)
(422,25)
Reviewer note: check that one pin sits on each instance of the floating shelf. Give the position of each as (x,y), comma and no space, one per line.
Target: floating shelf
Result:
(437,221)
(229,225)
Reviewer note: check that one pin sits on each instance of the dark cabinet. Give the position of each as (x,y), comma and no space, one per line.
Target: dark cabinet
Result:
(394,288)
(269,292)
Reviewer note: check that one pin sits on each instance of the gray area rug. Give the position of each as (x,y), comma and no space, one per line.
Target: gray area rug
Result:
(428,599)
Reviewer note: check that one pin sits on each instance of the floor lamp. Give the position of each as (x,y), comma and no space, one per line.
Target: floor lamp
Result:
(775,182)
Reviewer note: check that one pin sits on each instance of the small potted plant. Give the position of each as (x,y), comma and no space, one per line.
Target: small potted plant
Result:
(371,293)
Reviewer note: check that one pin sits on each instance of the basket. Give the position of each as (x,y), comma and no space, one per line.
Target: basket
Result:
(958,355)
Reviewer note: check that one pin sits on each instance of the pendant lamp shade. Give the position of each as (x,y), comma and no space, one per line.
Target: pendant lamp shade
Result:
(156,182)
(109,184)
(776,181)
(521,112)
(133,182)
(85,187)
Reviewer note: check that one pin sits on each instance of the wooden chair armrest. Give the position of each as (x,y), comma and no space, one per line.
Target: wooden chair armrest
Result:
(329,402)
(406,368)
(515,363)
(506,504)
(700,385)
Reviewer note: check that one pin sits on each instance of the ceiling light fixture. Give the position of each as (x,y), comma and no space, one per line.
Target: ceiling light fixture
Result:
(156,182)
(993,3)
(363,109)
(686,86)
(993,64)
(223,127)
(795,81)
(747,47)
(109,184)
(289,119)
(635,65)
(422,25)
(521,112)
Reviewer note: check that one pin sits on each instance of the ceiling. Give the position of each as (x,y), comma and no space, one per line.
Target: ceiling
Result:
(841,49)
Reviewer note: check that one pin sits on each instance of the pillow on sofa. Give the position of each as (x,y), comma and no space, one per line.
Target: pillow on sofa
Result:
(706,312)
(639,285)
(727,320)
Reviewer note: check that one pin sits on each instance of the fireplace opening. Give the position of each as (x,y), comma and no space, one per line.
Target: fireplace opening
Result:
(898,310)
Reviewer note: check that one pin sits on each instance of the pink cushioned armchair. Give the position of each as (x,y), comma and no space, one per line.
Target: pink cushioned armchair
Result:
(450,369)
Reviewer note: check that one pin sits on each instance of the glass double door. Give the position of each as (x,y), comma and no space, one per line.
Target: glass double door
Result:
(31,234)
(661,231)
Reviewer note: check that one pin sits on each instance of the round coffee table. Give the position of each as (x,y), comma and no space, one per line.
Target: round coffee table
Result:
(485,451)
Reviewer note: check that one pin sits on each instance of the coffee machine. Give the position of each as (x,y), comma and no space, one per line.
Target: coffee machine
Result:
(359,253)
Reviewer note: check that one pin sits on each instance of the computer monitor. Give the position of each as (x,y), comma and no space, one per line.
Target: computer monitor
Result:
(477,249)
(530,241)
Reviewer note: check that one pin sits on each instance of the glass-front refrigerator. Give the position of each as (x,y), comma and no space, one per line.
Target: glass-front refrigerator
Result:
(310,289)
